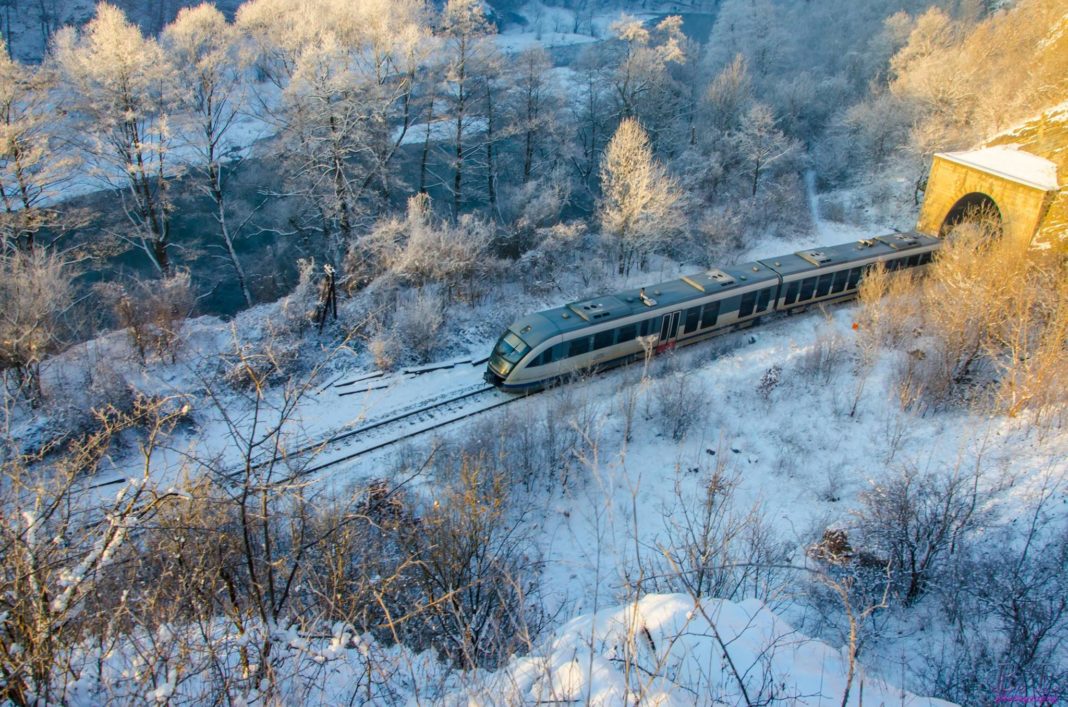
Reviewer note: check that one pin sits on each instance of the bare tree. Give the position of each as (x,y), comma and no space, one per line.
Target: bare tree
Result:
(35,291)
(123,95)
(201,42)
(31,172)
(477,580)
(465,28)
(56,546)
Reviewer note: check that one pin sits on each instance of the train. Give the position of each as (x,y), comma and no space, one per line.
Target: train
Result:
(546,347)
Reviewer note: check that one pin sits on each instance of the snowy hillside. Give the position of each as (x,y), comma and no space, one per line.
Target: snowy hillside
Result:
(255,256)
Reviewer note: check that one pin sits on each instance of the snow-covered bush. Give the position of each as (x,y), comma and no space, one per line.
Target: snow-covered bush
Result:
(385,349)
(417,322)
(534,206)
(914,520)
(714,547)
(423,249)
(35,290)
(681,404)
(560,247)
(297,309)
(267,362)
(153,312)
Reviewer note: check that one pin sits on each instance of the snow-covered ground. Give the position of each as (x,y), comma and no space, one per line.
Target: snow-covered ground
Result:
(801,451)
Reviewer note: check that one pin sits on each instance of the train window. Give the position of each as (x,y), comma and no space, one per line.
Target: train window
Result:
(914,261)
(710,314)
(646,326)
(791,291)
(603,339)
(693,317)
(627,333)
(559,352)
(762,300)
(746,307)
(547,356)
(925,258)
(840,278)
(854,278)
(808,286)
(824,285)
(579,346)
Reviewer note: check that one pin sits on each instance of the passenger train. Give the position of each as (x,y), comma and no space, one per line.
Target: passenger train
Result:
(541,348)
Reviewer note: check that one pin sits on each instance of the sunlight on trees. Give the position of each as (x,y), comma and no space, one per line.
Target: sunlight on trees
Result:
(639,207)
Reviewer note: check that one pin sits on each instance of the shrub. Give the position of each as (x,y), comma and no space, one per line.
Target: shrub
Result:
(153,311)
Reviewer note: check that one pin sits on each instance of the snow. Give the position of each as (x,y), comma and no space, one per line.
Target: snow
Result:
(1011,163)
(802,456)
(671,650)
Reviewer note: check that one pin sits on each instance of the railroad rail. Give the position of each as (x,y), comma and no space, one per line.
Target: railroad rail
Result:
(419,420)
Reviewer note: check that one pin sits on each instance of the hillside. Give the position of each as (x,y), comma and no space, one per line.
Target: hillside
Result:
(267,270)
(1046,135)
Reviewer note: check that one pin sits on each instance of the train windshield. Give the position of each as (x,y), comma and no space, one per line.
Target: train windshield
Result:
(511,348)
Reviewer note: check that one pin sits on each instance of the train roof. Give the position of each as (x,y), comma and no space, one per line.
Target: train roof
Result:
(813,258)
(535,328)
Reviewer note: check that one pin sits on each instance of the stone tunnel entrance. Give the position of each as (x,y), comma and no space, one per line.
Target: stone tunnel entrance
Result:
(1016,186)
(973,207)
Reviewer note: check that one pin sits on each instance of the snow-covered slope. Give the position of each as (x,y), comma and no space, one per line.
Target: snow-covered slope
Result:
(668,650)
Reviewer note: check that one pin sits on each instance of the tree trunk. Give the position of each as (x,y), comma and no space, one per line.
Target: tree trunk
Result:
(215,180)
(491,177)
(457,181)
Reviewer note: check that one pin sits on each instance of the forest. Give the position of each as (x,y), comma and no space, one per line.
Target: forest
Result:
(212,213)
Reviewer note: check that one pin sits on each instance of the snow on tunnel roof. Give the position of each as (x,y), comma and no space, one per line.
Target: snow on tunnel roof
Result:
(1011,163)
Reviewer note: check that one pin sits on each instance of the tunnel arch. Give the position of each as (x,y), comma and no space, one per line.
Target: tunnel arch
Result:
(973,206)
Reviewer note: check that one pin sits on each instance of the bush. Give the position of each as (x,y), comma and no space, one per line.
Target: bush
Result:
(472,565)
(914,520)
(152,312)
(423,250)
(681,403)
(417,322)
(989,322)
(34,292)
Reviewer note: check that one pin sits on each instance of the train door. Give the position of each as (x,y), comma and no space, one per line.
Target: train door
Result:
(669,328)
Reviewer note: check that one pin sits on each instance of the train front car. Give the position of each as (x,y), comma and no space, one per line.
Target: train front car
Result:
(508,352)
(514,351)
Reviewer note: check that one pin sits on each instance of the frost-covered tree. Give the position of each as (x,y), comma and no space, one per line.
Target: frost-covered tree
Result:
(750,28)
(759,144)
(122,93)
(638,207)
(729,96)
(591,113)
(202,44)
(35,290)
(536,106)
(31,172)
(346,72)
(465,29)
(642,85)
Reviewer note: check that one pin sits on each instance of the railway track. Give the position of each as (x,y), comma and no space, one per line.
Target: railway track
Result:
(392,429)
